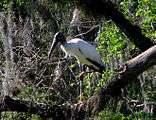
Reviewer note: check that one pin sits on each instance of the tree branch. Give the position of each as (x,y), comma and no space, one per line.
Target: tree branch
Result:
(89,35)
(45,111)
(110,10)
(130,71)
(111,89)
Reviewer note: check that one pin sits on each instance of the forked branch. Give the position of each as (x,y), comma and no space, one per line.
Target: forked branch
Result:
(111,89)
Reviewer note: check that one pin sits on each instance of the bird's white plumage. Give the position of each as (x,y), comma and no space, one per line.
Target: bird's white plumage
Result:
(81,50)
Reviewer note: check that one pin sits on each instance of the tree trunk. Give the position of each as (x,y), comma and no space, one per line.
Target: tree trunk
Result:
(110,90)
(8,31)
(109,9)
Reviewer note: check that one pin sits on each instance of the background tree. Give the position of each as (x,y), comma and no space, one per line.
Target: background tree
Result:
(124,28)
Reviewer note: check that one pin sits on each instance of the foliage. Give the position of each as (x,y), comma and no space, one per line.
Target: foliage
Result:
(4,4)
(108,114)
(144,15)
(111,43)
(18,116)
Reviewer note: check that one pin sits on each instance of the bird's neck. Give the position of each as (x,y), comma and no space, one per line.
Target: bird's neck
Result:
(63,42)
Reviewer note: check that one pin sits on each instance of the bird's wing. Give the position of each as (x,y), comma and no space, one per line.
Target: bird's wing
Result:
(88,50)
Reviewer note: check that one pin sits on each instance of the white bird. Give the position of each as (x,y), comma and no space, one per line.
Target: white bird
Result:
(83,51)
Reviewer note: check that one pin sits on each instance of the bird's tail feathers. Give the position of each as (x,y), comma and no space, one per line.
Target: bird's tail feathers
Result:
(101,67)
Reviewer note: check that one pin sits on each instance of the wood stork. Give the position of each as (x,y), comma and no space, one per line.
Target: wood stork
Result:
(83,51)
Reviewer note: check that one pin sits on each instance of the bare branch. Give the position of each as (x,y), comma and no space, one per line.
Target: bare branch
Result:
(110,10)
(9,104)
(130,71)
(97,102)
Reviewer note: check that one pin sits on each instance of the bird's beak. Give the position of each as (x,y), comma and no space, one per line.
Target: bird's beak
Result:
(52,48)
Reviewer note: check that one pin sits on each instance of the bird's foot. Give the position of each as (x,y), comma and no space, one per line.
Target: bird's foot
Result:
(80,100)
(122,69)
(79,104)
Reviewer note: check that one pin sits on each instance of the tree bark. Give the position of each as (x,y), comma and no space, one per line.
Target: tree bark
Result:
(108,9)
(111,89)
(7,30)
(45,111)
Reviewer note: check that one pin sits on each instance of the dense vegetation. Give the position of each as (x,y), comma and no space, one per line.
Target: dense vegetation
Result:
(30,25)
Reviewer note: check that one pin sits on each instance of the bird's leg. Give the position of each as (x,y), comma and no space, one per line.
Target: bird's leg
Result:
(81,77)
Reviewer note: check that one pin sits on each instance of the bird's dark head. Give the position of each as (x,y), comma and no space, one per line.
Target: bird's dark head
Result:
(58,38)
